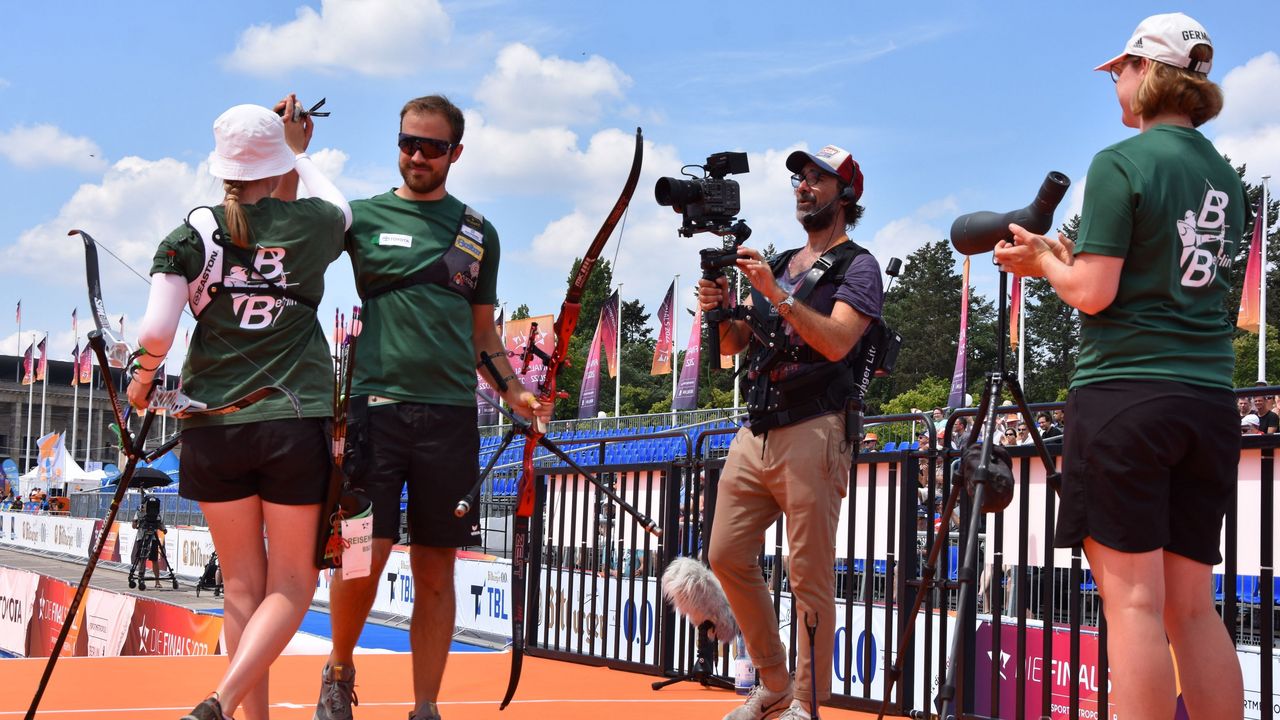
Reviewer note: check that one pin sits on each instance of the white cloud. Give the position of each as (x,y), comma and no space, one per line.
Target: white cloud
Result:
(36,146)
(370,37)
(4,83)
(1249,126)
(525,89)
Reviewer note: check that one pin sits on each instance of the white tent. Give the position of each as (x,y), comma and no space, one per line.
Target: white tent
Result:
(57,469)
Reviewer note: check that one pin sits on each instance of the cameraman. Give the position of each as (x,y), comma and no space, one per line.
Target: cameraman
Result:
(804,406)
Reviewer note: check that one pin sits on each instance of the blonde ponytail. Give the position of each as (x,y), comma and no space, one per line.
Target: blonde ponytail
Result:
(237,222)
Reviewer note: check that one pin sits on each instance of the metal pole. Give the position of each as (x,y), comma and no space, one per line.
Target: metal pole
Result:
(1022,328)
(1262,291)
(31,395)
(617,379)
(88,435)
(44,383)
(675,333)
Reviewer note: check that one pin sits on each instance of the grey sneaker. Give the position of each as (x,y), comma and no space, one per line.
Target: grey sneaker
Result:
(798,711)
(763,703)
(427,712)
(337,693)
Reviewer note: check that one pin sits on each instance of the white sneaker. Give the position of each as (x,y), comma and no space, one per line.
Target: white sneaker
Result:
(798,711)
(763,703)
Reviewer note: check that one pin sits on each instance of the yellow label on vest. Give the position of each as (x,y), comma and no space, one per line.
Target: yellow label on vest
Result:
(474,250)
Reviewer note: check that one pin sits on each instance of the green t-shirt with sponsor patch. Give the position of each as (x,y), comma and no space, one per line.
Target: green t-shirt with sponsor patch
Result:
(1166,202)
(243,340)
(416,344)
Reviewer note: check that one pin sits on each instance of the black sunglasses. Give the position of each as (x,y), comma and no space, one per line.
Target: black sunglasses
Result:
(430,148)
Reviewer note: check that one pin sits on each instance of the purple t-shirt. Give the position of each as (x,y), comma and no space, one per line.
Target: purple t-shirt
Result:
(861,289)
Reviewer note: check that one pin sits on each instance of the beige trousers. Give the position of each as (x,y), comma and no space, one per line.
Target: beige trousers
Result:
(801,471)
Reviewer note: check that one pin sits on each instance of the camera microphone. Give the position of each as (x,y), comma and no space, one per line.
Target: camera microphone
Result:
(980,232)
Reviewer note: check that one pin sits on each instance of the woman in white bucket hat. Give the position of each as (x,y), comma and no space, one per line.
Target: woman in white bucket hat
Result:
(1150,456)
(252,271)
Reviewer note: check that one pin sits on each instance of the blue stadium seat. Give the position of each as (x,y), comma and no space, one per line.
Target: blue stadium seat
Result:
(890,446)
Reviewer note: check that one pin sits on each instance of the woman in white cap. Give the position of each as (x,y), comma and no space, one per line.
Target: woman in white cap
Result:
(1162,217)
(252,270)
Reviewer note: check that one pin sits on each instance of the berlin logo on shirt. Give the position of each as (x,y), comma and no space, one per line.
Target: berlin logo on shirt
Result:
(1204,240)
(257,312)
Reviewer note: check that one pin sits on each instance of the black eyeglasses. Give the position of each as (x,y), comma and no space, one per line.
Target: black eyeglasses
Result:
(1115,70)
(813,177)
(430,148)
(1009,433)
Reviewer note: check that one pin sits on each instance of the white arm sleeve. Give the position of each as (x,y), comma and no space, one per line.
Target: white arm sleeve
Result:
(322,187)
(160,323)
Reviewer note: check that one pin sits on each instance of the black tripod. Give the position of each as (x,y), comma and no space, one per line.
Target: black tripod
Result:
(147,546)
(985,477)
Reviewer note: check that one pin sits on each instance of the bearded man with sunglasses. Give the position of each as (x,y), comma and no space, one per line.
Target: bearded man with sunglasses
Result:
(426,268)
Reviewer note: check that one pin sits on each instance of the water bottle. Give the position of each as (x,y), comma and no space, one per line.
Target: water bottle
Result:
(744,671)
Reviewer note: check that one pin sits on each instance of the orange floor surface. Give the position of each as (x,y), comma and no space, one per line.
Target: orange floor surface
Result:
(167,687)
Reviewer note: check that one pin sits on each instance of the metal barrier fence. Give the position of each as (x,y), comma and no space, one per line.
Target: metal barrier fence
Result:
(1034,616)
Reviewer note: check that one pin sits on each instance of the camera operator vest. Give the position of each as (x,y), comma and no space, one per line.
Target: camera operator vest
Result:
(458,269)
(209,284)
(826,388)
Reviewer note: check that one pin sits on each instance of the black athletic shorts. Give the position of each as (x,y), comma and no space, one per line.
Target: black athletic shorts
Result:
(281,461)
(1149,465)
(435,450)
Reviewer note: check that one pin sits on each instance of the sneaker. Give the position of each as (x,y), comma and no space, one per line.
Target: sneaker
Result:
(337,693)
(210,709)
(798,711)
(763,703)
(427,712)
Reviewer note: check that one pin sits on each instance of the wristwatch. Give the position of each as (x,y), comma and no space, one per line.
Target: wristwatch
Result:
(786,305)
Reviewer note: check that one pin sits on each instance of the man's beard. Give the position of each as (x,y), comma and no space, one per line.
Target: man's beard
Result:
(821,219)
(424,183)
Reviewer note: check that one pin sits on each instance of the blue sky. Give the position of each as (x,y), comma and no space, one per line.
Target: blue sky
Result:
(106,110)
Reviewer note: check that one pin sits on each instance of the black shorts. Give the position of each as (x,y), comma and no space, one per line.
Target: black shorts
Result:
(1149,465)
(281,461)
(435,449)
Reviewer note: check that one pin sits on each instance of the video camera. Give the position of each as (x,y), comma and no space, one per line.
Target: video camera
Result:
(709,203)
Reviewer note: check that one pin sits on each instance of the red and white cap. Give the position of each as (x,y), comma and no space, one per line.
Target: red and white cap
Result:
(1167,38)
(249,144)
(831,159)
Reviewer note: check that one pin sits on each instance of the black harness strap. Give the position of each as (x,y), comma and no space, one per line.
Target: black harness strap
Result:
(457,269)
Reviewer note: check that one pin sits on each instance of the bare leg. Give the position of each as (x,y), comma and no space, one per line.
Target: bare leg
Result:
(350,602)
(1212,686)
(431,630)
(236,527)
(1132,586)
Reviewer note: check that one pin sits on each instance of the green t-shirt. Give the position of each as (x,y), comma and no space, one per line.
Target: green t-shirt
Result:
(244,341)
(416,345)
(1166,202)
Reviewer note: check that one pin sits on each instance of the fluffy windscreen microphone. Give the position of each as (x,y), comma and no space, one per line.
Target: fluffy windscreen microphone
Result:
(696,593)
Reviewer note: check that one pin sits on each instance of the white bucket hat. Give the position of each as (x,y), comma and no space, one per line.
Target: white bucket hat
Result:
(249,144)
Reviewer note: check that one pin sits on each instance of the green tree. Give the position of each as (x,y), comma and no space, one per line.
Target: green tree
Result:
(923,306)
(1246,350)
(521,313)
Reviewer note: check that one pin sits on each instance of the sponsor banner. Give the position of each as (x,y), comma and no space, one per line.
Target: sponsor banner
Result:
(17,598)
(1040,672)
(482,591)
(106,622)
(161,629)
(602,616)
(862,671)
(190,552)
(52,599)
(48,533)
